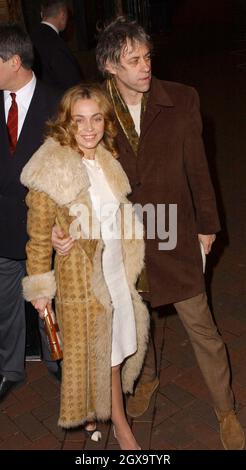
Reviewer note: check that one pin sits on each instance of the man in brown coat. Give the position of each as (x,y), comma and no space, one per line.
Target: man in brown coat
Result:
(162,152)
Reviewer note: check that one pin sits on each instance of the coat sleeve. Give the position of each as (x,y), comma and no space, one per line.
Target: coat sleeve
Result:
(197,171)
(40,281)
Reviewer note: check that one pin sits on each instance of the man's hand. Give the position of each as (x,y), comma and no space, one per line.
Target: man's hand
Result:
(41,305)
(207,241)
(60,244)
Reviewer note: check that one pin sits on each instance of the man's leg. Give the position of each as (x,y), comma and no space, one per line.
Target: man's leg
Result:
(147,383)
(12,321)
(211,356)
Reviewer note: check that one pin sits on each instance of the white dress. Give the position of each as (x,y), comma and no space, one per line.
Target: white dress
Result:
(106,207)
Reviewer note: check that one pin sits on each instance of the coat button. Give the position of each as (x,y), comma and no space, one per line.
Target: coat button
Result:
(137,184)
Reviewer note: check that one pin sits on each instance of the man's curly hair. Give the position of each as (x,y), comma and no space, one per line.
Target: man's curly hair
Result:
(113,39)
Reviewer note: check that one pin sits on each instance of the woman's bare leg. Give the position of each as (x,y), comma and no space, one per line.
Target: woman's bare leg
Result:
(123,431)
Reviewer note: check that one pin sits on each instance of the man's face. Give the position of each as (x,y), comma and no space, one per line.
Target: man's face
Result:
(6,74)
(134,70)
(63,19)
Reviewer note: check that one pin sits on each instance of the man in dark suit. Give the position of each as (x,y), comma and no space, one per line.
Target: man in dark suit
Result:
(25,105)
(54,62)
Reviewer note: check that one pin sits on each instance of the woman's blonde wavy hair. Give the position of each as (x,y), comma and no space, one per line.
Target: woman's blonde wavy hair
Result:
(63,129)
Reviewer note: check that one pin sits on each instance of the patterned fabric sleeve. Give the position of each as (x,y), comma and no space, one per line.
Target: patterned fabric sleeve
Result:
(40,281)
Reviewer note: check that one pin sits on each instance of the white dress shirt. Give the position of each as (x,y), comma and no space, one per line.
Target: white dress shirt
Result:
(51,25)
(23,99)
(135,111)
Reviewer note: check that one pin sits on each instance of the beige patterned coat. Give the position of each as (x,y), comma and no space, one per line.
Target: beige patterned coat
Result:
(58,185)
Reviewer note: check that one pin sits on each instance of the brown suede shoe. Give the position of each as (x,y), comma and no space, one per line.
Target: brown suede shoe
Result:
(138,403)
(231,432)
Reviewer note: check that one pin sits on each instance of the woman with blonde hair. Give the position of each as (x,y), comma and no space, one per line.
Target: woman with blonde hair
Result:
(76,182)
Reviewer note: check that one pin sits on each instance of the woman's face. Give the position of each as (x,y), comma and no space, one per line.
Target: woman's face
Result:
(88,116)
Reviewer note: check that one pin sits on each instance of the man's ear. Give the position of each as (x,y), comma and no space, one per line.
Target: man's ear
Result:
(63,17)
(15,62)
(110,67)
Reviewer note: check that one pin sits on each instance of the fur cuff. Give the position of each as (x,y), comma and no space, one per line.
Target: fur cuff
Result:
(39,285)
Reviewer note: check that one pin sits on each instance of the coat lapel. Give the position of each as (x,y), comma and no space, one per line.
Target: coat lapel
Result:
(56,170)
(3,127)
(114,173)
(60,172)
(158,98)
(37,107)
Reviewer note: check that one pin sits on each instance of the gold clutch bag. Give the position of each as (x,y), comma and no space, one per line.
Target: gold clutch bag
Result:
(53,335)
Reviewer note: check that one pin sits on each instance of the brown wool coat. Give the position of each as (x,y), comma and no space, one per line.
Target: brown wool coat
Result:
(58,183)
(171,168)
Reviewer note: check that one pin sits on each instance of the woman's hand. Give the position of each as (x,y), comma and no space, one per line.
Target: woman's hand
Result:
(60,244)
(41,304)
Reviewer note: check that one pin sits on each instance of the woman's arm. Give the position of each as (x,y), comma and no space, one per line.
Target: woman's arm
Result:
(40,282)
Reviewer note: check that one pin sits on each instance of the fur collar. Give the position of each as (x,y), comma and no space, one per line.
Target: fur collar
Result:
(59,172)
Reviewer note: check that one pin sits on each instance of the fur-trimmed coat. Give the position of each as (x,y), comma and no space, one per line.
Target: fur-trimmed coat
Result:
(58,184)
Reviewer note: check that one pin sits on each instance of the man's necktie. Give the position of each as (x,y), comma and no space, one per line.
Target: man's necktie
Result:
(12,123)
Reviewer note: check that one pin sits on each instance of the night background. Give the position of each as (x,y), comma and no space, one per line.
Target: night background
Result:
(201,43)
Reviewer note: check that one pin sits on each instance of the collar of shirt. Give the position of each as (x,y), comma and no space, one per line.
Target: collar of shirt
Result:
(23,99)
(51,25)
